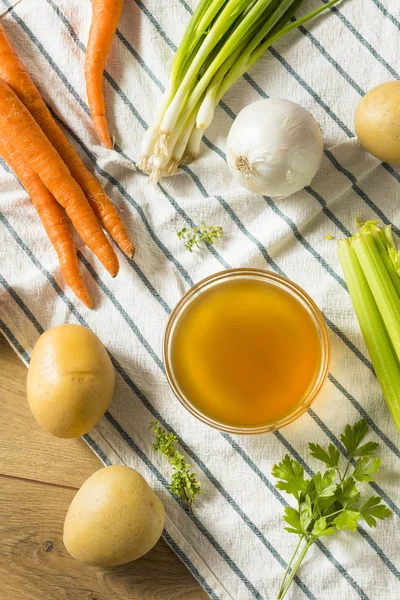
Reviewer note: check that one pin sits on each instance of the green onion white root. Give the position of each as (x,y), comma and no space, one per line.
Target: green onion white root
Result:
(223,39)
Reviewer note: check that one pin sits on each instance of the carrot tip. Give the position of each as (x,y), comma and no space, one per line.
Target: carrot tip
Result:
(112,266)
(114,272)
(102,132)
(131,251)
(83,296)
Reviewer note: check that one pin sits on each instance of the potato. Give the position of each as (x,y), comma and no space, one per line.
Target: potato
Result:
(114,518)
(377,122)
(70,380)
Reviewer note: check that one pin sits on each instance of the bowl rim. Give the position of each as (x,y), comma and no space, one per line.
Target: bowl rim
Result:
(301,295)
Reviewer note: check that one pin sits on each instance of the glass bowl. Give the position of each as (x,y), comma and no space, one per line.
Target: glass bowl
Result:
(296,292)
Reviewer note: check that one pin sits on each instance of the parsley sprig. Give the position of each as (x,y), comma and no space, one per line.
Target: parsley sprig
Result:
(196,235)
(184,482)
(329,502)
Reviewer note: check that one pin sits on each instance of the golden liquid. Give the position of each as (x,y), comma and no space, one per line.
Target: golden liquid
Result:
(245,352)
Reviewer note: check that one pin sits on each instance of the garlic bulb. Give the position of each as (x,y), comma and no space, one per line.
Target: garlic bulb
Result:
(274,147)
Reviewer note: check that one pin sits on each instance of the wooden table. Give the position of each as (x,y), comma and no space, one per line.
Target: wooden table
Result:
(39,476)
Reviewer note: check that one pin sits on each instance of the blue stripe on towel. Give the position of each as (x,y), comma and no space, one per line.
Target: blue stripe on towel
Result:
(387,14)
(13,340)
(189,564)
(362,40)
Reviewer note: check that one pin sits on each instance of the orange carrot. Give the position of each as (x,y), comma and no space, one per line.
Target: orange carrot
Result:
(13,72)
(19,128)
(105,18)
(53,219)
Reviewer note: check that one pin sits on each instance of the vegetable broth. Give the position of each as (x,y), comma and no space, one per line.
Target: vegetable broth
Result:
(245,352)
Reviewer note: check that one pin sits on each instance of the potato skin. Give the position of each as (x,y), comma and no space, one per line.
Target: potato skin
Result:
(114,518)
(377,122)
(70,380)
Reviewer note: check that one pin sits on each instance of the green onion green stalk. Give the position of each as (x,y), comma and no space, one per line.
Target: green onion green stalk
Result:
(223,39)
(371,267)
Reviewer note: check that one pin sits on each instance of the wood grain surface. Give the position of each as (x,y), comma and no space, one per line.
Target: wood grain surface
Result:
(39,476)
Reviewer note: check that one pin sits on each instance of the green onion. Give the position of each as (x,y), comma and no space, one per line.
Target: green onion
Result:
(377,306)
(223,39)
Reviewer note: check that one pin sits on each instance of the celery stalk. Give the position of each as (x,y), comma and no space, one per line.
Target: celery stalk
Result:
(388,233)
(379,239)
(373,329)
(380,285)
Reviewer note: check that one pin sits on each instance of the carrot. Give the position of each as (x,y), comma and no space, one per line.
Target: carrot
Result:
(105,18)
(53,219)
(13,72)
(19,128)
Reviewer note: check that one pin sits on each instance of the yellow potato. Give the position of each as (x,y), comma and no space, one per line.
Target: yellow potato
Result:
(70,380)
(377,122)
(114,518)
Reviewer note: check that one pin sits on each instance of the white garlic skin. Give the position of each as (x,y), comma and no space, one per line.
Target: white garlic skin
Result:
(274,147)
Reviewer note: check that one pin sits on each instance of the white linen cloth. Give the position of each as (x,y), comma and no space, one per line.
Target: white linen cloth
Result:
(234,543)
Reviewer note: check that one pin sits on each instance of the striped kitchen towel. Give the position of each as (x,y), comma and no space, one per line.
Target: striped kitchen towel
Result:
(234,543)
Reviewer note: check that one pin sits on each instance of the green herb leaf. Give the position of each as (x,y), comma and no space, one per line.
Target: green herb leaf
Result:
(182,233)
(347,493)
(368,448)
(291,474)
(374,509)
(366,466)
(306,513)
(330,457)
(321,529)
(348,518)
(184,483)
(353,436)
(324,484)
(292,518)
(329,502)
(197,235)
